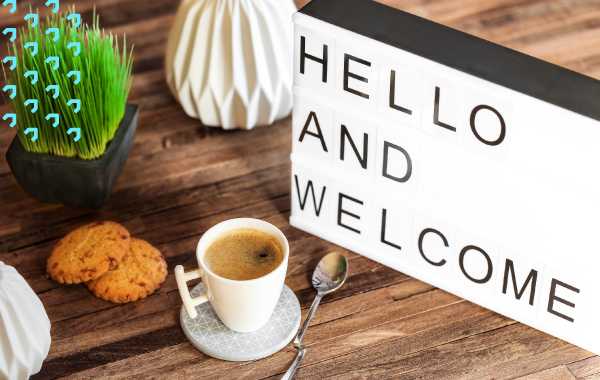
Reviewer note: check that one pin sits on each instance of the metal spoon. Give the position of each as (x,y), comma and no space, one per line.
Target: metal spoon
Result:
(328,277)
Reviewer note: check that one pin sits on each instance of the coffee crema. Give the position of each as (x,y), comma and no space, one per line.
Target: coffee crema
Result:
(244,254)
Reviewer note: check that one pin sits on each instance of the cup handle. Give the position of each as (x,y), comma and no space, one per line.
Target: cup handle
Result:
(182,278)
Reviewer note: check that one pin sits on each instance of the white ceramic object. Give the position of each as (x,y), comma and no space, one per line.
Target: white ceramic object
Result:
(243,306)
(229,62)
(24,327)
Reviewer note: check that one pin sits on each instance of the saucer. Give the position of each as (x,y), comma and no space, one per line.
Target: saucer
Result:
(208,334)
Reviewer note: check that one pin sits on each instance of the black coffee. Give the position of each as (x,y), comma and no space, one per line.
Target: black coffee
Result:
(244,254)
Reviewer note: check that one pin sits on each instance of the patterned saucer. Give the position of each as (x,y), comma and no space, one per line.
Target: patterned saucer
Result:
(209,335)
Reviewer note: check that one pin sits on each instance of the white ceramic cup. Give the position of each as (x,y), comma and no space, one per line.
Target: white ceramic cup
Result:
(243,306)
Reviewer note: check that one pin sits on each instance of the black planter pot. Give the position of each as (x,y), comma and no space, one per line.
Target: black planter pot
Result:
(72,181)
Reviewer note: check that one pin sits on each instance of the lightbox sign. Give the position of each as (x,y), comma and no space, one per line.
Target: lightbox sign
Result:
(454,160)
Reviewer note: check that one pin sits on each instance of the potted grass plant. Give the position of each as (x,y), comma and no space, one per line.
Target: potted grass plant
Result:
(75,128)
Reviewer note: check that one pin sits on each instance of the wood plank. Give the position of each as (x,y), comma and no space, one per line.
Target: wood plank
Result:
(556,373)
(499,353)
(404,333)
(585,368)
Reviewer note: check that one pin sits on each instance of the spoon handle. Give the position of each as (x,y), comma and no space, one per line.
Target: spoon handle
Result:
(289,374)
(309,317)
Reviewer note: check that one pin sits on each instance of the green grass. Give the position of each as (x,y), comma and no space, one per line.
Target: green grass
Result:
(105,66)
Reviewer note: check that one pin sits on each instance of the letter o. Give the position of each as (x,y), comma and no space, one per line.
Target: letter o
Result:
(500,138)
(461,262)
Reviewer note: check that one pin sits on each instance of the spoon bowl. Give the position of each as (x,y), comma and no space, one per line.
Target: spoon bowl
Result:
(330,274)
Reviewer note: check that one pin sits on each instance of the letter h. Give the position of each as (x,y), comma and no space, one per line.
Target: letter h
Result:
(304,55)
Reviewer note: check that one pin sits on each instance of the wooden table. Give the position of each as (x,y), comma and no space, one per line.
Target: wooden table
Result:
(182,178)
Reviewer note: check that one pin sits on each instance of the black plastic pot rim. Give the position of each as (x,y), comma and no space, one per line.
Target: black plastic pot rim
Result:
(110,147)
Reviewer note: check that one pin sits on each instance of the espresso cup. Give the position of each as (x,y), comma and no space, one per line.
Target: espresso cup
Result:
(243,306)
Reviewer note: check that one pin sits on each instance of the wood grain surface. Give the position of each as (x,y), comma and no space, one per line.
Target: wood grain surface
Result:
(181,178)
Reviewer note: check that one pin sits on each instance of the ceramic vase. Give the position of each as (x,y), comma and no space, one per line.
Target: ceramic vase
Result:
(24,327)
(229,62)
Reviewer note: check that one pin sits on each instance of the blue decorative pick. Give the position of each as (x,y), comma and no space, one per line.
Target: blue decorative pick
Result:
(12,31)
(34,132)
(76,74)
(12,117)
(13,61)
(75,19)
(55,119)
(34,103)
(34,19)
(55,33)
(54,89)
(54,61)
(10,88)
(76,131)
(76,47)
(54,4)
(35,76)
(76,103)
(32,46)
(12,3)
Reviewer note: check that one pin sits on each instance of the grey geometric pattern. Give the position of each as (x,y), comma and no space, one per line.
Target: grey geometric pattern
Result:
(208,334)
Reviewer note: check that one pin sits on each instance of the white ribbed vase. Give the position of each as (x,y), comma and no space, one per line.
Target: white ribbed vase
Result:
(229,62)
(24,327)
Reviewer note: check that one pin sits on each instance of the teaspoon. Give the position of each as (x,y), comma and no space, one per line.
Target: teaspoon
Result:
(329,276)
